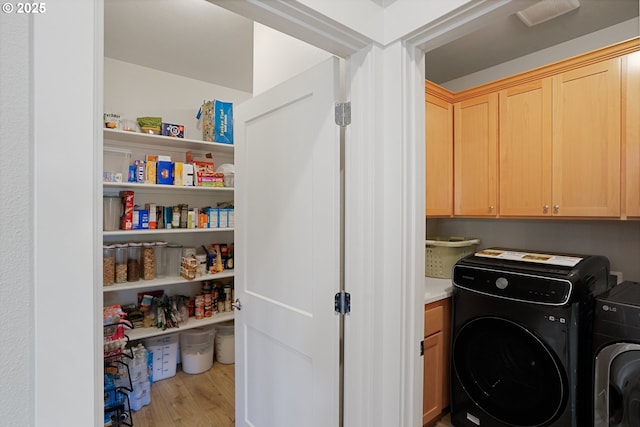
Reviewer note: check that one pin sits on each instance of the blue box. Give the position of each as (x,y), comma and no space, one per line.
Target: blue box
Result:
(214,217)
(164,173)
(223,125)
(140,219)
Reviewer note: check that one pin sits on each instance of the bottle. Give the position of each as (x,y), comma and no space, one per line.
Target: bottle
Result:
(134,261)
(121,262)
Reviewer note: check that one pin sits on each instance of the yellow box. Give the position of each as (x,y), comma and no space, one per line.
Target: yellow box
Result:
(177,173)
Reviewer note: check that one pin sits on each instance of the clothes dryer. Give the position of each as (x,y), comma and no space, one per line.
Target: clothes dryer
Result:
(521,344)
(616,345)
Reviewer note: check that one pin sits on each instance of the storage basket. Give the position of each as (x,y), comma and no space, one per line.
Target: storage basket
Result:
(441,253)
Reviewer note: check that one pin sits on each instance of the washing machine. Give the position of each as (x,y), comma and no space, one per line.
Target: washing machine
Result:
(616,343)
(522,338)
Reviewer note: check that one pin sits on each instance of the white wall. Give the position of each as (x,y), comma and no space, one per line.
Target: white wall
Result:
(608,36)
(277,57)
(136,91)
(16,235)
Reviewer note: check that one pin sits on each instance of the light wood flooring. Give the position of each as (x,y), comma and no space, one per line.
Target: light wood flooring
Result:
(201,400)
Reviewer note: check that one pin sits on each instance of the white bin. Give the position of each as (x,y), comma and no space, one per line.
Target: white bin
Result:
(196,350)
(225,346)
(165,356)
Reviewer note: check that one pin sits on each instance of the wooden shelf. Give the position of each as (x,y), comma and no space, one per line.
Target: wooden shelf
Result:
(142,333)
(144,284)
(181,143)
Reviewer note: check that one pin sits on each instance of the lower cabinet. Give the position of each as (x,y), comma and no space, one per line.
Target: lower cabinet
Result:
(437,338)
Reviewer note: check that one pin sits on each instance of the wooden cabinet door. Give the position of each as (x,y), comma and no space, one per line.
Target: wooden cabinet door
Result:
(433,377)
(525,149)
(439,155)
(586,141)
(631,129)
(475,156)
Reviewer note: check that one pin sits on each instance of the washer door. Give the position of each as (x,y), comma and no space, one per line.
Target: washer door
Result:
(624,390)
(508,372)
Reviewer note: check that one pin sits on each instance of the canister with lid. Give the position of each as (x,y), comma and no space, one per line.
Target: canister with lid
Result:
(108,265)
(134,261)
(121,262)
(174,259)
(161,259)
(148,261)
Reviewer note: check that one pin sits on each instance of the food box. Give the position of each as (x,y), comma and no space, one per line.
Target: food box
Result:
(223,127)
(126,219)
(164,173)
(175,131)
(204,169)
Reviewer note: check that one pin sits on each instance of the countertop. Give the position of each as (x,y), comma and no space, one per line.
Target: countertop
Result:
(436,289)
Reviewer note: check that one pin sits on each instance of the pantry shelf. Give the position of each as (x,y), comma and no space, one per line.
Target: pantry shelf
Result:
(129,138)
(142,333)
(142,284)
(136,186)
(145,232)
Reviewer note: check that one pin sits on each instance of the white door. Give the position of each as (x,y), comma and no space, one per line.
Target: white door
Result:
(287,253)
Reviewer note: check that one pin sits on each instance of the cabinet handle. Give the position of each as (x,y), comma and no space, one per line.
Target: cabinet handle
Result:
(556,208)
(545,208)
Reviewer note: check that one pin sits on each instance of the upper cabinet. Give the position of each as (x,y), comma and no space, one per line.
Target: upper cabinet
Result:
(475,138)
(439,151)
(525,149)
(558,141)
(631,131)
(586,141)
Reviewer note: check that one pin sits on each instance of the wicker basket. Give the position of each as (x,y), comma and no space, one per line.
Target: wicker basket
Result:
(441,253)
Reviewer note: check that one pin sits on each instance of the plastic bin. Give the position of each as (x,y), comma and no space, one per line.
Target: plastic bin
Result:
(116,161)
(225,345)
(441,253)
(196,350)
(165,356)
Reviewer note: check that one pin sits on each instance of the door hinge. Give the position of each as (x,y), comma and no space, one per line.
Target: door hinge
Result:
(422,348)
(343,113)
(342,302)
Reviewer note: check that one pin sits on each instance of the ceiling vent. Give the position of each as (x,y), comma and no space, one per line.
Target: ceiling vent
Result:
(545,10)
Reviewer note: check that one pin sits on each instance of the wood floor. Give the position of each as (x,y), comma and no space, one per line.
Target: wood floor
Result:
(202,400)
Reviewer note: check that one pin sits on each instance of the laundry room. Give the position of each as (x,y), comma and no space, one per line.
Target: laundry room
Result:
(503,212)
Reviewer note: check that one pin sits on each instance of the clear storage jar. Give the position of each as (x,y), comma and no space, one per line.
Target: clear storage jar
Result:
(108,265)
(121,262)
(134,261)
(161,259)
(148,261)
(174,259)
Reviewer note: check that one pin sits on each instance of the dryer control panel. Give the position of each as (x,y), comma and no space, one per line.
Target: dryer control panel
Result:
(513,285)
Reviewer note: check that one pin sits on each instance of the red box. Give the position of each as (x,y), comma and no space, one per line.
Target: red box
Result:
(126,219)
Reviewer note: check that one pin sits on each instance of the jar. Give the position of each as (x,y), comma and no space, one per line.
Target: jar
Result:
(148,261)
(174,259)
(108,265)
(161,259)
(121,262)
(134,261)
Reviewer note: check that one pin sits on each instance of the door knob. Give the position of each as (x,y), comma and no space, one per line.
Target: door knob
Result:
(236,305)
(545,208)
(556,208)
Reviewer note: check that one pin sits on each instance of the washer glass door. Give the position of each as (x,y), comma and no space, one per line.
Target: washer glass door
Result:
(508,372)
(624,390)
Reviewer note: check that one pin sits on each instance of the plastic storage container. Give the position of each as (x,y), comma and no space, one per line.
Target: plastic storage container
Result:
(108,264)
(111,210)
(441,253)
(225,346)
(165,356)
(196,350)
(121,262)
(174,259)
(134,261)
(160,254)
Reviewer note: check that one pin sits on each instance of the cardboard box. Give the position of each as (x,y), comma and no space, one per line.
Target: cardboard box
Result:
(175,131)
(153,216)
(126,220)
(204,167)
(150,172)
(164,173)
(214,217)
(187,174)
(177,173)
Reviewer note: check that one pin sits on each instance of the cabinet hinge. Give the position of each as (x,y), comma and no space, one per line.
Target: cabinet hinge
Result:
(343,113)
(342,302)
(422,348)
